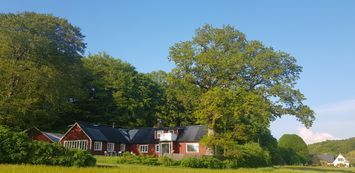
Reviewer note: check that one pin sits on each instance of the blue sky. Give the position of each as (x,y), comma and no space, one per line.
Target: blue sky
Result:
(320,34)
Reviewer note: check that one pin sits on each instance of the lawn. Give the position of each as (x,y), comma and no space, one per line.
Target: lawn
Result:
(158,169)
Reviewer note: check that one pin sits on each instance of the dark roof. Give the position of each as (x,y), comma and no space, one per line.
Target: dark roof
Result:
(192,133)
(187,134)
(104,133)
(143,135)
(326,157)
(55,137)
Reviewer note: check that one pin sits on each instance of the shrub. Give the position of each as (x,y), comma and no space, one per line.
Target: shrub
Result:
(128,158)
(166,161)
(18,148)
(191,162)
(204,162)
(248,155)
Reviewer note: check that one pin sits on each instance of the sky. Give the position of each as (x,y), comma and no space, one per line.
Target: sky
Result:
(320,34)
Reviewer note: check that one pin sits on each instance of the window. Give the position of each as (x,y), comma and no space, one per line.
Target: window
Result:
(110,146)
(192,148)
(77,144)
(97,146)
(159,132)
(171,131)
(143,148)
(123,147)
(157,148)
(340,159)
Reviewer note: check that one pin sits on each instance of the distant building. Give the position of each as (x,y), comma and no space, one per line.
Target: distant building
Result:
(323,159)
(341,161)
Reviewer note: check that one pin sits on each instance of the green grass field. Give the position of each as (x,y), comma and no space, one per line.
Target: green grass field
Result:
(158,169)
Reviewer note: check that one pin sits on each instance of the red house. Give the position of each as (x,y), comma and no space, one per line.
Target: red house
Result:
(106,140)
(169,141)
(98,139)
(37,135)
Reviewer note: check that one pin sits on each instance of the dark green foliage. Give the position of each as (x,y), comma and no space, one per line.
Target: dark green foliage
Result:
(203,162)
(293,149)
(128,158)
(18,148)
(40,69)
(248,155)
(119,94)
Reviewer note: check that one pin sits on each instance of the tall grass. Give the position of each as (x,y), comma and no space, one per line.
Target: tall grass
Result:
(155,169)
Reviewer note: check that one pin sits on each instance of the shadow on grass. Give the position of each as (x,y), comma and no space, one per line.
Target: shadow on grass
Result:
(318,169)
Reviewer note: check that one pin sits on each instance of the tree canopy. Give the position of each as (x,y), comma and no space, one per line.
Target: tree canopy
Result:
(293,149)
(242,85)
(39,69)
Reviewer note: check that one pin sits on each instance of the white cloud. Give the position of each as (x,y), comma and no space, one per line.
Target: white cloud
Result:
(313,137)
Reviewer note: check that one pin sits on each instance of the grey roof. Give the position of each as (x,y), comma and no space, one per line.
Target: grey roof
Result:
(192,133)
(326,157)
(55,137)
(103,133)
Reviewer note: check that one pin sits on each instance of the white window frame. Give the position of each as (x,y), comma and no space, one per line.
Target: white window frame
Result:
(143,148)
(97,146)
(194,145)
(157,148)
(109,145)
(122,147)
(76,144)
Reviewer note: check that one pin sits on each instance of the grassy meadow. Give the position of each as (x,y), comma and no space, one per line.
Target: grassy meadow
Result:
(158,169)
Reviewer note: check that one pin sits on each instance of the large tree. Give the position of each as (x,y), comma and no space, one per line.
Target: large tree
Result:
(40,69)
(243,84)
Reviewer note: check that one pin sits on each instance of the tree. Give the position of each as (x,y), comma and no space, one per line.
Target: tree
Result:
(243,84)
(40,69)
(179,100)
(119,94)
(293,149)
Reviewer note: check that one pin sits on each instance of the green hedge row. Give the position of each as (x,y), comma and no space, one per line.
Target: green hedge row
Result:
(17,148)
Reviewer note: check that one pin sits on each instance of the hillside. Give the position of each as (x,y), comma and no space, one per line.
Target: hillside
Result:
(333,146)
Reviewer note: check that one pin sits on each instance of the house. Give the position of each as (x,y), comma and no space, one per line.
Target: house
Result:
(107,140)
(98,139)
(169,141)
(340,161)
(323,159)
(37,135)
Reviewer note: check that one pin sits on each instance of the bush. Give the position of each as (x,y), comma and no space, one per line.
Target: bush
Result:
(166,161)
(18,148)
(204,162)
(128,158)
(249,155)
